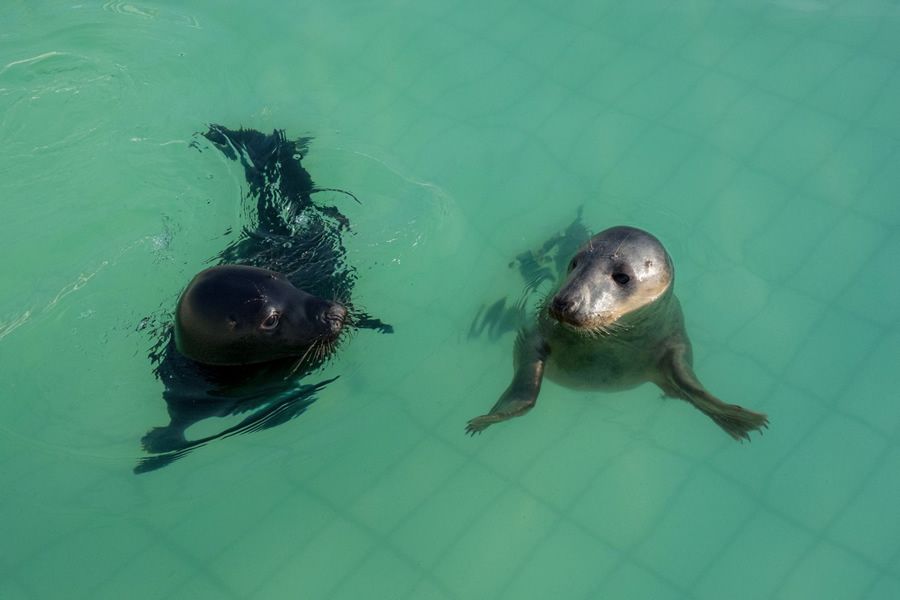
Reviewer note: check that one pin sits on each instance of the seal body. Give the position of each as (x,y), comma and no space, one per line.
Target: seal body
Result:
(613,323)
(240,315)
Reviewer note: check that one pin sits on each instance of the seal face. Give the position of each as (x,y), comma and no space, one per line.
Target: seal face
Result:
(615,274)
(240,315)
(613,323)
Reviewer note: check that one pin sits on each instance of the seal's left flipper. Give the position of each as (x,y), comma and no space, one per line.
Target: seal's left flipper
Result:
(682,383)
(368,322)
(521,395)
(168,443)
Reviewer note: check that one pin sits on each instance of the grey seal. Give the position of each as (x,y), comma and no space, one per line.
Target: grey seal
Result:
(613,323)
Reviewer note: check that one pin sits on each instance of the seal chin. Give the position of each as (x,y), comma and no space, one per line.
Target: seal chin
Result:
(578,324)
(568,320)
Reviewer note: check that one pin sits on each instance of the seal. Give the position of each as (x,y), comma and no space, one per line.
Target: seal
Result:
(273,310)
(242,315)
(613,323)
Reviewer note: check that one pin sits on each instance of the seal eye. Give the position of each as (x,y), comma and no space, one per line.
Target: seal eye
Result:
(573,264)
(271,321)
(621,278)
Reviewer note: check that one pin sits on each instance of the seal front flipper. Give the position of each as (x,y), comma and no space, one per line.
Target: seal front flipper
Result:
(366,321)
(169,444)
(682,383)
(161,440)
(530,355)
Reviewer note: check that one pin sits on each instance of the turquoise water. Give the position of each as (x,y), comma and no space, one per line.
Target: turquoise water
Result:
(758,140)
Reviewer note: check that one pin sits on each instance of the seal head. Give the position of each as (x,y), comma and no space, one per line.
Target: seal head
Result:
(241,315)
(616,273)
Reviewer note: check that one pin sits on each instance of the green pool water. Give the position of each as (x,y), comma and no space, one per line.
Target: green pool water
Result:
(760,141)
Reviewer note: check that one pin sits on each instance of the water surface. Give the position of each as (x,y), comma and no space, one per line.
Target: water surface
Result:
(758,140)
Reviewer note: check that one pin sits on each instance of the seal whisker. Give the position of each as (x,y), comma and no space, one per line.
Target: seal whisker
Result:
(536,280)
(300,361)
(322,350)
(318,189)
(622,243)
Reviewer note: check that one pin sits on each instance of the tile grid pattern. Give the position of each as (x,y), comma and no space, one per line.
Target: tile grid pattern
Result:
(821,536)
(752,160)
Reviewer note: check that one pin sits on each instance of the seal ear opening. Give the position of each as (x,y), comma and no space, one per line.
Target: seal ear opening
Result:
(573,263)
(332,317)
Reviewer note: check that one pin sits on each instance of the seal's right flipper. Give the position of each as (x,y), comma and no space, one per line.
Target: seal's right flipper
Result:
(521,395)
(735,420)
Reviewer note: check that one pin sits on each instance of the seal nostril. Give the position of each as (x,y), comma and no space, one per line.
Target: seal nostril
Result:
(334,315)
(561,305)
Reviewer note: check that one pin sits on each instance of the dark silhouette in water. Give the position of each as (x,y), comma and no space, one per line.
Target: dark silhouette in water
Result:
(537,267)
(289,234)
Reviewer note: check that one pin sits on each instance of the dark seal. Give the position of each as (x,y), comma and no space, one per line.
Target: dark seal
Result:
(240,315)
(613,323)
(248,331)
